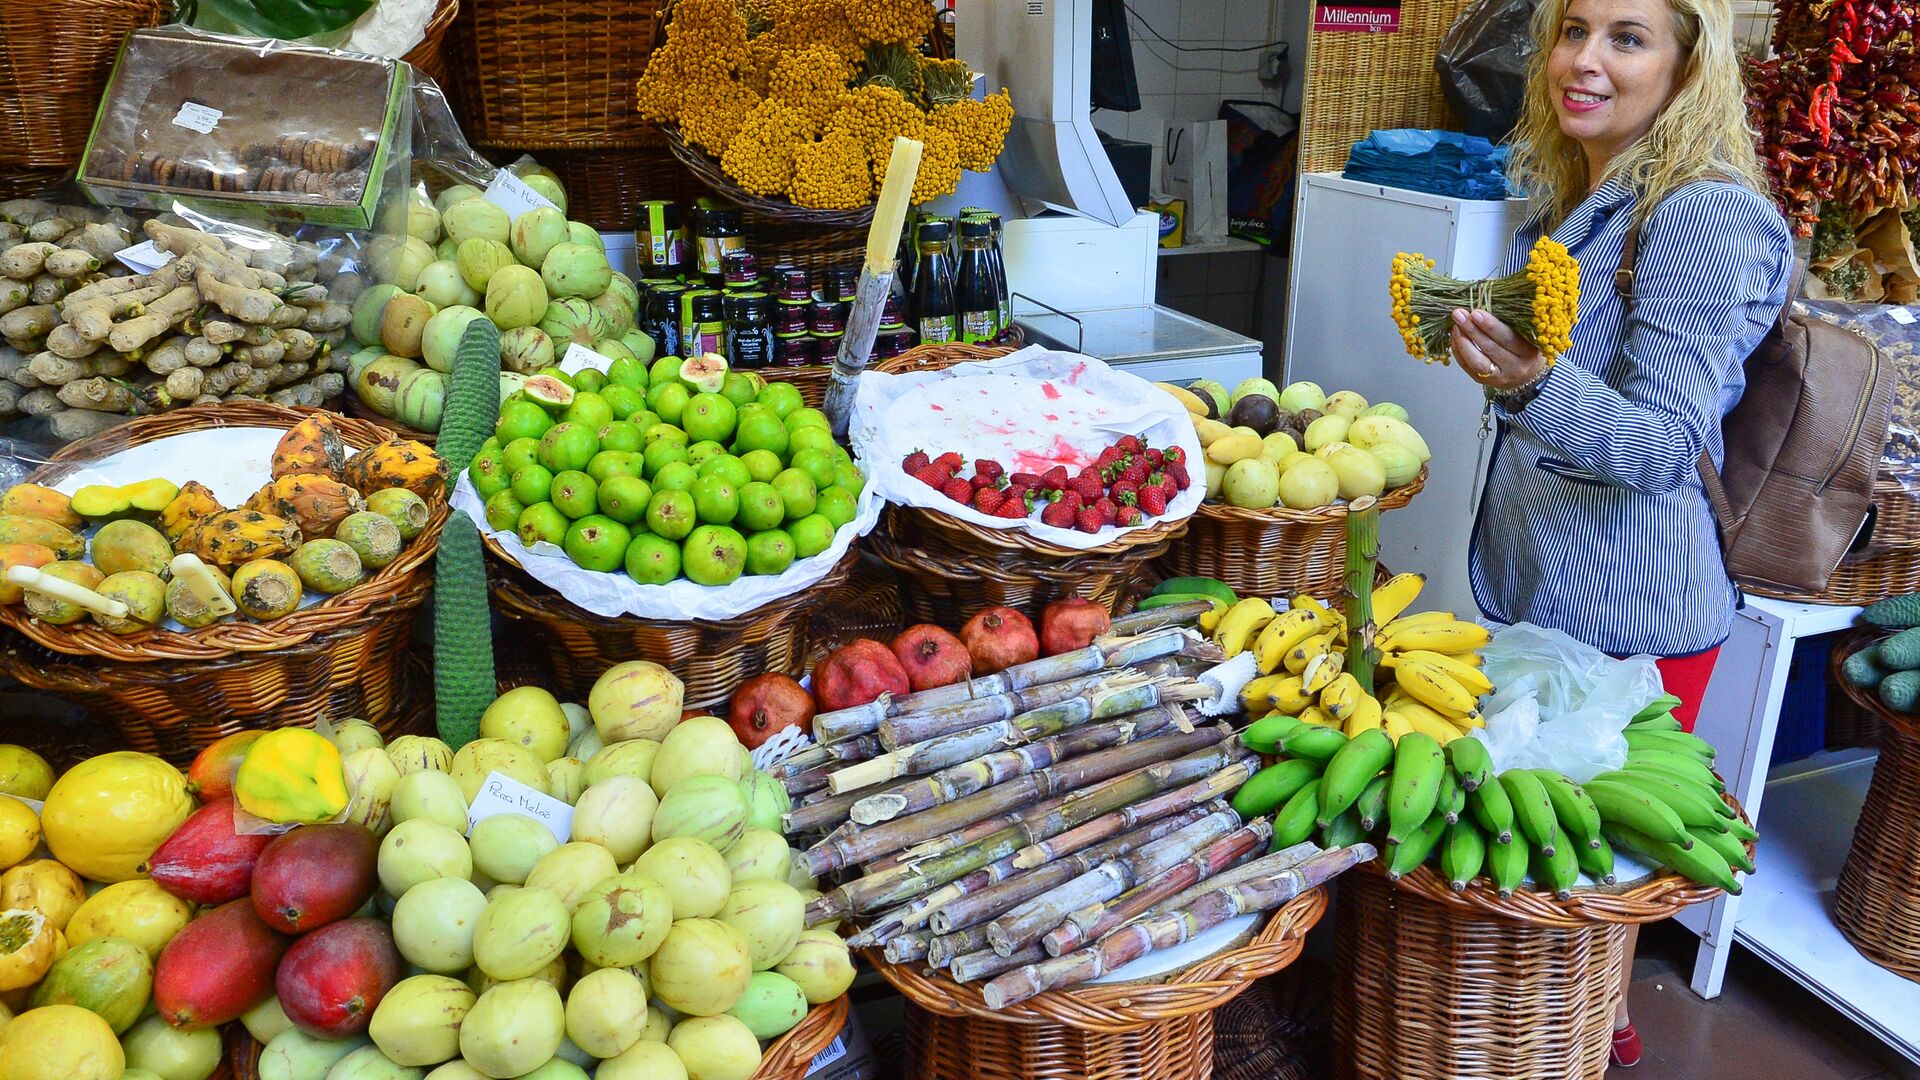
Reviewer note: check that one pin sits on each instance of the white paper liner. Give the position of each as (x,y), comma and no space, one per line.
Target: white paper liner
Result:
(1029,410)
(613,593)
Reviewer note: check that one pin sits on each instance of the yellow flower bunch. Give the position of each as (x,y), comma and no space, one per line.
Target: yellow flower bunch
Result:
(979,128)
(1541,302)
(760,157)
(904,22)
(799,23)
(811,81)
(832,174)
(873,115)
(720,112)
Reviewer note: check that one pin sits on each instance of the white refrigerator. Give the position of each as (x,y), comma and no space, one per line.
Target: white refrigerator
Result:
(1340,333)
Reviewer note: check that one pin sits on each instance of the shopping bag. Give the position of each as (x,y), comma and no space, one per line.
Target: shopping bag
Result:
(1197,172)
(1263,143)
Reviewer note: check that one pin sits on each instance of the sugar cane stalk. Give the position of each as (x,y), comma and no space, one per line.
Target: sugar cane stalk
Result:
(808,781)
(907,948)
(1142,622)
(986,963)
(830,810)
(1137,939)
(966,778)
(1363,554)
(907,728)
(1026,924)
(1048,847)
(1093,921)
(913,914)
(943,949)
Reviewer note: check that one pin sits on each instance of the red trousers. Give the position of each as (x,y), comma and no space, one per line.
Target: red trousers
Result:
(1685,677)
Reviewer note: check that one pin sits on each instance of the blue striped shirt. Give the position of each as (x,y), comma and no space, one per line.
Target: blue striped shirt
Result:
(1594,521)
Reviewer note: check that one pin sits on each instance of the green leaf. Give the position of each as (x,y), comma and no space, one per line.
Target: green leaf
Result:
(285,19)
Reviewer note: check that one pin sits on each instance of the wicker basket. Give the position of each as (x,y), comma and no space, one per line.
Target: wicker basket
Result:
(353,610)
(866,605)
(20,182)
(786,1059)
(1127,1031)
(1851,719)
(1277,552)
(429,57)
(709,172)
(54,62)
(1889,567)
(711,658)
(553,74)
(1359,83)
(1877,901)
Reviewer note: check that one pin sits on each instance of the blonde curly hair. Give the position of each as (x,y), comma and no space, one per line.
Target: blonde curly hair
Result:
(1702,132)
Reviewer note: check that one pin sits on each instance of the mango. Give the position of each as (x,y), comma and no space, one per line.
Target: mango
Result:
(18,529)
(292,775)
(130,545)
(35,500)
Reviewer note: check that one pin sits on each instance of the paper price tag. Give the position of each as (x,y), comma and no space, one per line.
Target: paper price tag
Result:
(579,358)
(1901,315)
(144,258)
(197,117)
(510,193)
(505,795)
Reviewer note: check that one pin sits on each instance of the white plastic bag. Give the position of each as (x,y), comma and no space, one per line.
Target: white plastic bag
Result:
(1560,705)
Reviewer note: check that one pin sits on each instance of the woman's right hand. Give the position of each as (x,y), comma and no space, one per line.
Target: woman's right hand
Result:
(1492,352)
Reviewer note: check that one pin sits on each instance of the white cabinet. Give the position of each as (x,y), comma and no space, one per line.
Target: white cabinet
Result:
(1340,333)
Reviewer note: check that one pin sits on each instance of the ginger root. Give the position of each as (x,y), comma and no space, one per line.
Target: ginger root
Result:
(249,305)
(100,395)
(24,262)
(29,323)
(161,315)
(71,263)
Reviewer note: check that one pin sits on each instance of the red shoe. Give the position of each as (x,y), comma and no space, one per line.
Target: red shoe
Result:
(1626,1047)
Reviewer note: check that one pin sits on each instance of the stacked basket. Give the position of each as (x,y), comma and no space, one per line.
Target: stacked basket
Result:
(1877,901)
(170,693)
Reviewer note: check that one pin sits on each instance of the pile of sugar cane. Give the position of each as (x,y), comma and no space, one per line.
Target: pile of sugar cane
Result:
(1046,825)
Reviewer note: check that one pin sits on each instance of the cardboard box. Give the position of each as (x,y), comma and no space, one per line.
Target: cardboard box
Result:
(1173,221)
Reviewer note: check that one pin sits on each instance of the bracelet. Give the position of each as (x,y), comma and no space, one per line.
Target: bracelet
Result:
(1517,398)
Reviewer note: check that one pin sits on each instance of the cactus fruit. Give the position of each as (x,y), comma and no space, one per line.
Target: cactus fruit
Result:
(407,511)
(372,537)
(313,445)
(233,537)
(327,566)
(265,589)
(192,505)
(398,463)
(314,502)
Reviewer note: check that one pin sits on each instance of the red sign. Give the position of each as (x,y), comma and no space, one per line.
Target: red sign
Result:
(1361,16)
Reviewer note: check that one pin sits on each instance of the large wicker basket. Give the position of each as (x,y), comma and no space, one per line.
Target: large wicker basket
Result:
(429,57)
(1277,552)
(1851,720)
(1471,984)
(54,61)
(553,74)
(711,658)
(1125,1031)
(1889,567)
(352,610)
(1877,901)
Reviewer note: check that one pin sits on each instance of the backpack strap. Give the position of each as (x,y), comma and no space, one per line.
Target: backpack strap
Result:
(1623,286)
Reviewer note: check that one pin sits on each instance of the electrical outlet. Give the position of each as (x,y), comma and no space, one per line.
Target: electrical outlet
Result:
(1274,66)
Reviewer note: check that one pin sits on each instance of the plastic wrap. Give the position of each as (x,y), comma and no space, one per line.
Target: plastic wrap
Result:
(1560,704)
(1482,63)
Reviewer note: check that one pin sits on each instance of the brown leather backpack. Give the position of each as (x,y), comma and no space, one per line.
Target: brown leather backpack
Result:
(1802,446)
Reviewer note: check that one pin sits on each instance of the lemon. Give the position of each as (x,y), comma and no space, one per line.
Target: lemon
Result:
(138,911)
(108,813)
(23,772)
(60,1042)
(19,832)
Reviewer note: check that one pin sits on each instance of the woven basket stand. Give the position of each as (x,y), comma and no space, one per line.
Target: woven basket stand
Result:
(1876,903)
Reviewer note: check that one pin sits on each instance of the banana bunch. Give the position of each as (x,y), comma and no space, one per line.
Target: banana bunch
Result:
(1441,802)
(1301,651)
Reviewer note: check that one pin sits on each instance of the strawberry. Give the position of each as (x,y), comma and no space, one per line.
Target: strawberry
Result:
(1108,457)
(1135,472)
(958,490)
(988,468)
(1054,479)
(1175,455)
(1087,485)
(1012,508)
(1177,472)
(982,480)
(1164,483)
(950,461)
(933,476)
(1154,458)
(1059,515)
(1127,517)
(1108,512)
(1025,479)
(1130,443)
(987,499)
(1153,501)
(914,462)
(1125,494)
(1088,520)
(1071,498)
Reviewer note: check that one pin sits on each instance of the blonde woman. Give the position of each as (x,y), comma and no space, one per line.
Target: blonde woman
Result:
(1594,520)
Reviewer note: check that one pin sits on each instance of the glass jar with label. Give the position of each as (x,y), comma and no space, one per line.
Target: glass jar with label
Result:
(790,319)
(792,350)
(720,232)
(703,325)
(840,283)
(660,241)
(742,271)
(660,318)
(830,316)
(749,331)
(791,284)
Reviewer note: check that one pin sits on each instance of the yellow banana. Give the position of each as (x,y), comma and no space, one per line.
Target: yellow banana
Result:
(1255,697)
(1283,632)
(1312,715)
(1321,670)
(1413,708)
(1210,619)
(1392,598)
(1395,724)
(1416,619)
(1298,657)
(1434,688)
(1440,637)
(1462,672)
(1440,731)
(1209,430)
(1468,722)
(1341,696)
(1240,623)
(1303,600)
(1365,716)
(1287,697)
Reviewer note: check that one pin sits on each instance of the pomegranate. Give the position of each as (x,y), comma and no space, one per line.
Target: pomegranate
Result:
(211,774)
(219,966)
(332,979)
(856,673)
(999,638)
(315,875)
(1072,624)
(205,861)
(932,656)
(766,705)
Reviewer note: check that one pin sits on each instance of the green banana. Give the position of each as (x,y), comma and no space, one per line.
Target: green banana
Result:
(1532,810)
(1596,862)
(1418,766)
(1658,722)
(1274,785)
(1343,831)
(1696,806)
(1676,741)
(1213,588)
(1572,808)
(1462,854)
(1492,810)
(1729,847)
(1699,863)
(1639,811)
(1351,767)
(1263,735)
(1469,758)
(1556,869)
(1294,822)
(1405,857)
(1312,741)
(1684,765)
(1507,864)
(1372,803)
(1742,831)
(1453,798)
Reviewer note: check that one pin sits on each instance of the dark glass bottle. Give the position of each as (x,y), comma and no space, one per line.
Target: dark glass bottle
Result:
(974,292)
(997,259)
(749,331)
(931,301)
(660,318)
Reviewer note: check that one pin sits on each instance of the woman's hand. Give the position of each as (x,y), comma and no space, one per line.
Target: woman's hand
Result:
(1493,352)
